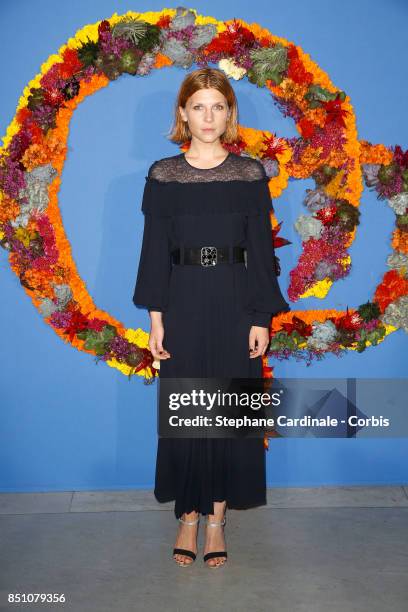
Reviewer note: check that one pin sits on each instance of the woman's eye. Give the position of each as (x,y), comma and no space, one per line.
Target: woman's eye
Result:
(199,106)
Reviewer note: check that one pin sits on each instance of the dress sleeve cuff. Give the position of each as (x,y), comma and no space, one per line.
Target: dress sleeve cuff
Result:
(261,319)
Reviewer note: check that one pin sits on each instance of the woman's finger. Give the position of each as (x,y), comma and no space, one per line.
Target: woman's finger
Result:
(255,352)
(158,351)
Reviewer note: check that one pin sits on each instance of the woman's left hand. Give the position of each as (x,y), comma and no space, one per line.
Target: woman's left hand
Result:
(258,341)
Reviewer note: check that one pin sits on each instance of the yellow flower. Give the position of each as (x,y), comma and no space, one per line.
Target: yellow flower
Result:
(320,289)
(23,235)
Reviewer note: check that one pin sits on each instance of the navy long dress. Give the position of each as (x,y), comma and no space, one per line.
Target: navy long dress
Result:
(207,313)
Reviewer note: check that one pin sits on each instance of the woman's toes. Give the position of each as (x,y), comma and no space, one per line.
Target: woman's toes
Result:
(216,561)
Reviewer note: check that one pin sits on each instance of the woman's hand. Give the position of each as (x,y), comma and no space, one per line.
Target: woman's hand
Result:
(258,336)
(156,337)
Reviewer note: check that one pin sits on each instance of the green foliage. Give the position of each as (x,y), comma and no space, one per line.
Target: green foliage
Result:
(97,341)
(88,53)
(316,95)
(369,311)
(269,63)
(386,174)
(283,340)
(142,34)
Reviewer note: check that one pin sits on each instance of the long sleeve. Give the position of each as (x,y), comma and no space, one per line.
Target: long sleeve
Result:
(265,297)
(152,283)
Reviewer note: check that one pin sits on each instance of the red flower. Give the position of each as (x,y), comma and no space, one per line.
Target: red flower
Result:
(53,97)
(77,323)
(348,321)
(221,44)
(296,71)
(264,42)
(306,127)
(326,214)
(96,324)
(244,35)
(278,241)
(335,113)
(303,328)
(104,26)
(23,115)
(400,157)
(274,146)
(146,362)
(164,21)
(234,36)
(71,64)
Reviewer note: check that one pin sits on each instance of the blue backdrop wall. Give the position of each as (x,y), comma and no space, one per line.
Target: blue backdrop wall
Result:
(69,424)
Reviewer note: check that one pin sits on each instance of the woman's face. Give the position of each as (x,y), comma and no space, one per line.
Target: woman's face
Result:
(206,112)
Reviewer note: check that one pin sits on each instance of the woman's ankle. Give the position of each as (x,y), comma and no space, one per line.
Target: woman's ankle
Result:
(190,516)
(219,511)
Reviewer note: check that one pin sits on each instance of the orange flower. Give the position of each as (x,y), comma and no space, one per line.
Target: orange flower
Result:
(9,209)
(40,280)
(400,241)
(390,289)
(374,154)
(162,60)
(34,156)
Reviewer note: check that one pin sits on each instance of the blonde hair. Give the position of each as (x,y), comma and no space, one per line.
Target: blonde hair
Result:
(204,78)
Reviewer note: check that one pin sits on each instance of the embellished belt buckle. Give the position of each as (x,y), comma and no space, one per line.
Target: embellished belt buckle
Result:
(208,256)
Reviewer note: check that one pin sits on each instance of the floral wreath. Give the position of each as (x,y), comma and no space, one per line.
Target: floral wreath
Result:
(327,149)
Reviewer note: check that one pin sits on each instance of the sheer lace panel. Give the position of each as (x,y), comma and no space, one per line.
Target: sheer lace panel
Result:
(233,168)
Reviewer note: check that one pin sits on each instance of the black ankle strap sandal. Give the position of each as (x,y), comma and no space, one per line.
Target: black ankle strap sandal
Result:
(221,553)
(185,551)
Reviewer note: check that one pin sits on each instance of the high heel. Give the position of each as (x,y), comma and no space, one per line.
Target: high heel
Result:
(221,553)
(185,551)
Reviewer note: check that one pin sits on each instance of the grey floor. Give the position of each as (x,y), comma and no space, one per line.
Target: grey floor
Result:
(309,550)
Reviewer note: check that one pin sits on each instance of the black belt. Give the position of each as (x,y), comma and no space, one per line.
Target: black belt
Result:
(209,255)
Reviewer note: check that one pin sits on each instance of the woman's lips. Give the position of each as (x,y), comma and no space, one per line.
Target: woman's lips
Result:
(208,129)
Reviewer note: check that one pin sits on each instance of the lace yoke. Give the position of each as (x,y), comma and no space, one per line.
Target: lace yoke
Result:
(233,168)
(239,184)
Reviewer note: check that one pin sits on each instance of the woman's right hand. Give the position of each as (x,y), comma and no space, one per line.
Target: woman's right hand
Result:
(156,341)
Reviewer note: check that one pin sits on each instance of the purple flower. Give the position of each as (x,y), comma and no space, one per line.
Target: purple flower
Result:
(61,320)
(108,44)
(11,177)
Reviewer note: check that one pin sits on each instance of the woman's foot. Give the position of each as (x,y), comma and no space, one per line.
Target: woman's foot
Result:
(187,538)
(214,535)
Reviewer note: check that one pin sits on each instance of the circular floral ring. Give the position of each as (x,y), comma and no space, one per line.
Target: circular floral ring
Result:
(327,149)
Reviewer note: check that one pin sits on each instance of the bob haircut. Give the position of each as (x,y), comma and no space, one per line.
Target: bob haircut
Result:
(204,78)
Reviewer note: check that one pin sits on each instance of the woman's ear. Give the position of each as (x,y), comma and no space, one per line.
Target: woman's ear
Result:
(182,113)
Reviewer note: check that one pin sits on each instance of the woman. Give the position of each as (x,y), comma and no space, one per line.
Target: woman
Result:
(210,317)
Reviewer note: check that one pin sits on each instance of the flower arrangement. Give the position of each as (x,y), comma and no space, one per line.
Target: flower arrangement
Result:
(327,149)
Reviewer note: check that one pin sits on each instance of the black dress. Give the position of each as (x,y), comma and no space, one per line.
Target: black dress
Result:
(208,313)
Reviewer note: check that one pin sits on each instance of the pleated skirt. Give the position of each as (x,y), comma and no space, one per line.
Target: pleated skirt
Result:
(206,331)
